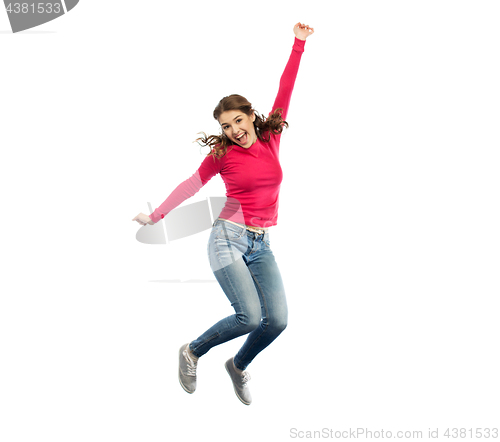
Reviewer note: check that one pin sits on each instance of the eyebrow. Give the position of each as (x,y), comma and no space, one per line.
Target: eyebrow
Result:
(237,116)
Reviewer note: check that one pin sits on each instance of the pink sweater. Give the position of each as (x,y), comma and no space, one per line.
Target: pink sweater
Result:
(252,176)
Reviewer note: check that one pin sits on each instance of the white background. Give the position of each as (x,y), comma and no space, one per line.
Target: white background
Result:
(387,239)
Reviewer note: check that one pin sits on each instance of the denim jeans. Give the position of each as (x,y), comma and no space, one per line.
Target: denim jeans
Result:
(245,267)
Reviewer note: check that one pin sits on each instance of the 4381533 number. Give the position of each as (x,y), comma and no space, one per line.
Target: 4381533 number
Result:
(473,433)
(34,8)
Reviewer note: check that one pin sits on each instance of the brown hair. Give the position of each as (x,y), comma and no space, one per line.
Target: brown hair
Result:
(263,127)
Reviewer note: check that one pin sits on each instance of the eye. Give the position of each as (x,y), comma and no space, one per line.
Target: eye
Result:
(238,120)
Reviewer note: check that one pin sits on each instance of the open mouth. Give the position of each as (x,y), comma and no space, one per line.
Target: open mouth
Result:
(243,138)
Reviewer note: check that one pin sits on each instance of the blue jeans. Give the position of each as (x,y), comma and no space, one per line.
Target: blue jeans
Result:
(244,266)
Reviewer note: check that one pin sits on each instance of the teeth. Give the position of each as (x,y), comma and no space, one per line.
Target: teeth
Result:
(240,136)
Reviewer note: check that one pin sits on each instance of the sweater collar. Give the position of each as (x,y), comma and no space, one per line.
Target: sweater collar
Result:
(253,150)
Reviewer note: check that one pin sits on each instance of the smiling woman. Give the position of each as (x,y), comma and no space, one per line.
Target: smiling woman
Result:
(239,127)
(237,119)
(239,247)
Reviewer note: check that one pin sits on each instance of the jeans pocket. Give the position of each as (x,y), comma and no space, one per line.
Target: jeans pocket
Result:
(229,231)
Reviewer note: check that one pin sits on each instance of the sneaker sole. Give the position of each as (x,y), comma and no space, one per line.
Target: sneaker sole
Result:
(234,388)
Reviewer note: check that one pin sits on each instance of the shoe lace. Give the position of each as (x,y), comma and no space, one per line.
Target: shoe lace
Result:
(191,365)
(245,377)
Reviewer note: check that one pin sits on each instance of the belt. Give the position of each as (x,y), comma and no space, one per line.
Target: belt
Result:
(259,230)
(256,229)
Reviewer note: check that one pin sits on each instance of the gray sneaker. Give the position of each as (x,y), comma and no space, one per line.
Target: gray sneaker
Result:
(240,382)
(187,369)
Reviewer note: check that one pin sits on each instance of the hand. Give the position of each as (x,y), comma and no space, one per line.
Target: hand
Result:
(302,31)
(142,219)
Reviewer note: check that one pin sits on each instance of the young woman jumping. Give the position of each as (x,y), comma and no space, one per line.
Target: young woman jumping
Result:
(246,154)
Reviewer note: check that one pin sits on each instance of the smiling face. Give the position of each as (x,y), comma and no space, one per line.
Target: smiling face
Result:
(238,127)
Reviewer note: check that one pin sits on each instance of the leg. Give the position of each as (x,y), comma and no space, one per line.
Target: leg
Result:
(226,248)
(269,285)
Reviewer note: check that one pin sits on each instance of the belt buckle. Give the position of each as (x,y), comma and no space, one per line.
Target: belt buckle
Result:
(255,230)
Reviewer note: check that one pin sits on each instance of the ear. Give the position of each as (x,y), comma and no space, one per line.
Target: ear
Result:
(253,117)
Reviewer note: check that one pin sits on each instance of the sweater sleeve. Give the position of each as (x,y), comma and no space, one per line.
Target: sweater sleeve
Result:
(287,80)
(208,169)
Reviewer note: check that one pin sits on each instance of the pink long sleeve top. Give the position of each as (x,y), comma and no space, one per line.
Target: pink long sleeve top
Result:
(252,176)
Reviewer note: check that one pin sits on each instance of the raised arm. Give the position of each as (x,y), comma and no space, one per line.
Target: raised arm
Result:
(287,80)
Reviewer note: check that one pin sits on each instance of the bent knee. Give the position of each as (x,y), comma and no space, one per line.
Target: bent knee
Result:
(249,321)
(277,325)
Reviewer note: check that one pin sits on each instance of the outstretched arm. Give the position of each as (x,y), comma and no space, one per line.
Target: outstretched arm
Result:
(287,80)
(183,191)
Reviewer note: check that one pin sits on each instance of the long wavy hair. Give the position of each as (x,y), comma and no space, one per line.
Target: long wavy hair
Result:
(263,126)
